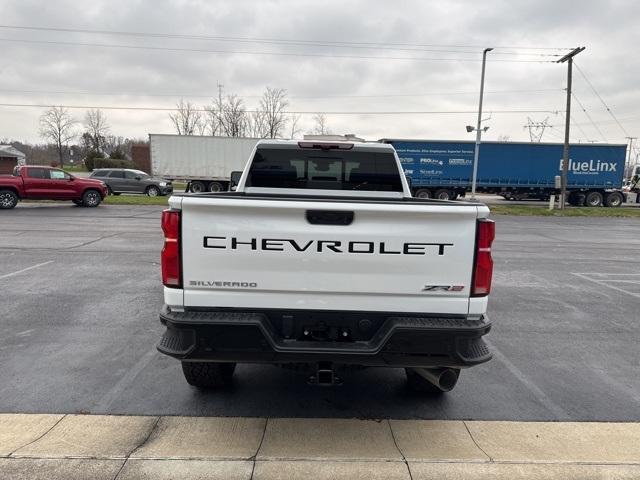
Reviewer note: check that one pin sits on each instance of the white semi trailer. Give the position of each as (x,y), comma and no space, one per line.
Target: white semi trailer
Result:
(205,163)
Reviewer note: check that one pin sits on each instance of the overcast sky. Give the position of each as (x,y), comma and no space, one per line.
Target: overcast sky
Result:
(445,80)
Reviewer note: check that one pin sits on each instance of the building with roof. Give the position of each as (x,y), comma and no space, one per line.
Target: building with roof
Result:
(9,158)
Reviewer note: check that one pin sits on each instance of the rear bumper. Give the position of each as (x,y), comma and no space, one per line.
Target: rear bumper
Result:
(394,341)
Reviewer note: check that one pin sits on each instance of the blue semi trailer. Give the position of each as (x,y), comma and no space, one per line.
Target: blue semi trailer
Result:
(443,169)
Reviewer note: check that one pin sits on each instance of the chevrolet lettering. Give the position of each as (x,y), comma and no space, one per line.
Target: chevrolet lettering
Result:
(322,246)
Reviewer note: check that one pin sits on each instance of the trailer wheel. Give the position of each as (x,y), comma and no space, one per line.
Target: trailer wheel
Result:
(197,187)
(423,193)
(215,187)
(594,199)
(613,199)
(443,194)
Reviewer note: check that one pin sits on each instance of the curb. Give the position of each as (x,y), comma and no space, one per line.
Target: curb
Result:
(127,447)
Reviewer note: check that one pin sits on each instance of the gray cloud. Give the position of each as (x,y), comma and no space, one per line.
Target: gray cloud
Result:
(607,28)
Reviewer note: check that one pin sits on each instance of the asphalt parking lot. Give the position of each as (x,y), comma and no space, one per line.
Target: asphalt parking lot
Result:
(81,292)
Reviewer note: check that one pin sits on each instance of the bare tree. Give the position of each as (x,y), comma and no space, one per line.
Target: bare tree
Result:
(186,119)
(234,117)
(213,117)
(96,125)
(57,125)
(257,125)
(272,105)
(294,119)
(320,127)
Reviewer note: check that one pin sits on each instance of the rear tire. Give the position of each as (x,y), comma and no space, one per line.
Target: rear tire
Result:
(207,375)
(8,199)
(77,202)
(216,187)
(418,383)
(423,193)
(197,187)
(91,198)
(594,199)
(613,199)
(443,194)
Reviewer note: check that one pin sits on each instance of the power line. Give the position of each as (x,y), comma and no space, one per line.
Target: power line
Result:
(331,43)
(306,112)
(602,100)
(241,52)
(589,117)
(212,95)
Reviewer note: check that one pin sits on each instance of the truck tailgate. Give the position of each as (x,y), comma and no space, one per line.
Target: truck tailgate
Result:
(262,253)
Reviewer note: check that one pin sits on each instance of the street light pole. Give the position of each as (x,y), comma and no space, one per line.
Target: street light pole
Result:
(567,123)
(476,152)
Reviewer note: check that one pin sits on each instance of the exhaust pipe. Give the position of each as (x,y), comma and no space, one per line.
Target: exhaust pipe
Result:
(442,378)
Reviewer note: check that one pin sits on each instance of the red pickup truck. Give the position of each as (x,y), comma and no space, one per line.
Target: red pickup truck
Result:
(47,183)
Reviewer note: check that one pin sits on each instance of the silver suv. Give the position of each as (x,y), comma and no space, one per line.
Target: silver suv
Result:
(126,180)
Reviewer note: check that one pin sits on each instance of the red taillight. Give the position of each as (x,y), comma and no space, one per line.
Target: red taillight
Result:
(483,269)
(170,258)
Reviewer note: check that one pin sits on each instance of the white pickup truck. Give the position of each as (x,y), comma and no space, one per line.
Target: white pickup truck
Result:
(321,259)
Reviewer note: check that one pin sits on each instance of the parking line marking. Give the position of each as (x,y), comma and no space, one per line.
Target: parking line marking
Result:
(112,395)
(542,397)
(25,270)
(603,284)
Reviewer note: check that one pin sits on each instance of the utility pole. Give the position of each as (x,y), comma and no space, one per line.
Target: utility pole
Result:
(478,127)
(220,87)
(565,152)
(631,139)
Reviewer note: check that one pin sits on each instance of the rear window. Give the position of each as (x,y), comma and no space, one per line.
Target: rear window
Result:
(324,170)
(100,173)
(37,172)
(116,174)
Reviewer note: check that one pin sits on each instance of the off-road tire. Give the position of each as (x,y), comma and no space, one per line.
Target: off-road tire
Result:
(207,375)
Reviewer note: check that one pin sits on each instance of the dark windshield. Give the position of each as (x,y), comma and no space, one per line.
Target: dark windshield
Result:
(324,170)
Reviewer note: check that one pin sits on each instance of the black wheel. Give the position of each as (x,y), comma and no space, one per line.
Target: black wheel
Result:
(423,193)
(216,187)
(91,198)
(418,383)
(208,374)
(8,199)
(152,191)
(613,199)
(443,194)
(197,187)
(594,199)
(109,191)
(77,202)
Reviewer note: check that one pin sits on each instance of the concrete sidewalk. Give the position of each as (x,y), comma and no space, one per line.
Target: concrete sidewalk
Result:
(136,447)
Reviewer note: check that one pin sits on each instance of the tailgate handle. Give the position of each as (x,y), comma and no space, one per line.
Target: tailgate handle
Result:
(329,217)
